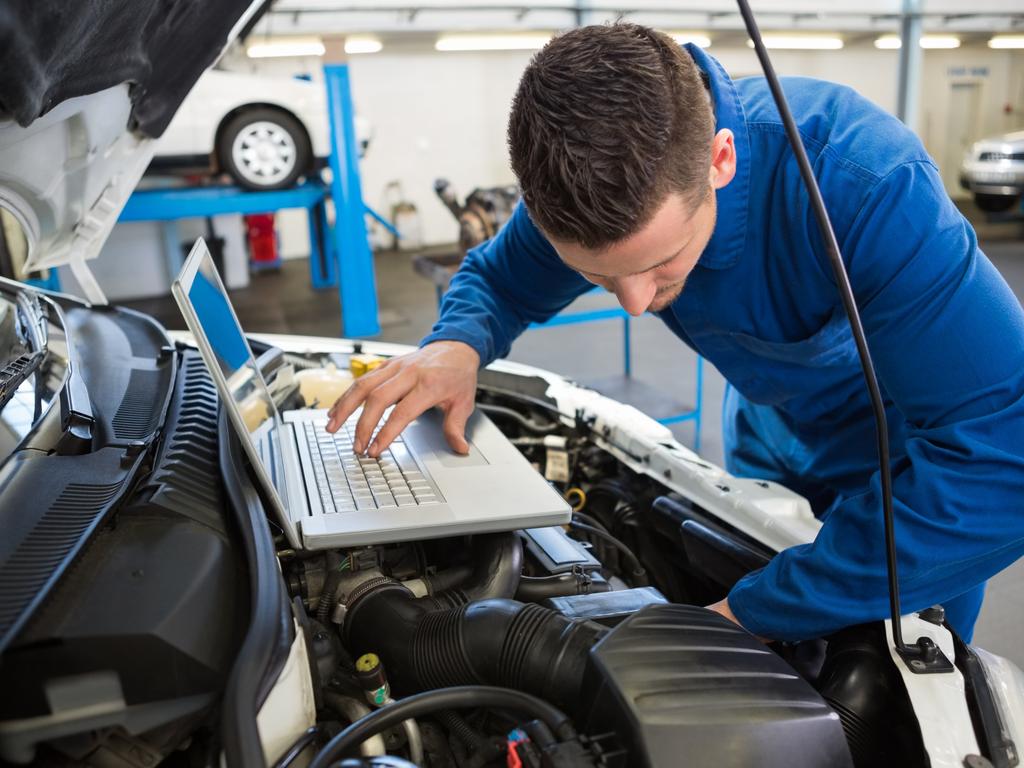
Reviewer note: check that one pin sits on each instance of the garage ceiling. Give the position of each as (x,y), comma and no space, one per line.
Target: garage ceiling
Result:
(337,16)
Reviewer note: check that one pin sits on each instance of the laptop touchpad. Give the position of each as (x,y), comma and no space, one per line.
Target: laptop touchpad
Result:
(425,437)
(449,458)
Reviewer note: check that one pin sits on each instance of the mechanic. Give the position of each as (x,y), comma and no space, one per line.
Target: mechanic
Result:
(646,170)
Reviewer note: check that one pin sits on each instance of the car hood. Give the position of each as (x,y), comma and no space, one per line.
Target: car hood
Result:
(84,88)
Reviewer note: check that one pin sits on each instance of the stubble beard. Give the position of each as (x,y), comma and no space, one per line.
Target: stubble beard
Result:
(665,296)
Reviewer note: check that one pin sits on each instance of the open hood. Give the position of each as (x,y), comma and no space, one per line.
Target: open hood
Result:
(84,88)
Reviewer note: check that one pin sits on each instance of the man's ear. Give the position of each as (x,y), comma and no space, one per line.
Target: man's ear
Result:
(723,159)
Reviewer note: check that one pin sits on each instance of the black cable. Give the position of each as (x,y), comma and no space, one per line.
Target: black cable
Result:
(639,574)
(586,519)
(296,748)
(828,236)
(460,697)
(622,510)
(501,410)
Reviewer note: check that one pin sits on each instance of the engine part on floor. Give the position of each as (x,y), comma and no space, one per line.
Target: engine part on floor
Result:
(498,562)
(704,710)
(484,212)
(534,589)
(354,710)
(556,553)
(557,726)
(860,682)
(637,573)
(608,608)
(497,642)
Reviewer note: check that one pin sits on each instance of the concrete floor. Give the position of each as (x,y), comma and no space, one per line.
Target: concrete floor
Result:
(282,303)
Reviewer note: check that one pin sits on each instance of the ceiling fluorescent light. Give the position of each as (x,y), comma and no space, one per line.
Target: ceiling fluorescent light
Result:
(362,45)
(801,42)
(940,41)
(1007,41)
(893,42)
(697,38)
(286,46)
(491,42)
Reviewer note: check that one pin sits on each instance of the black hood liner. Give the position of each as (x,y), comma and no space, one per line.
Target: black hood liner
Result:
(54,50)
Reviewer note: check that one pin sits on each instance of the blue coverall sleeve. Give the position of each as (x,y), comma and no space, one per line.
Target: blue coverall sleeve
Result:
(947,338)
(502,286)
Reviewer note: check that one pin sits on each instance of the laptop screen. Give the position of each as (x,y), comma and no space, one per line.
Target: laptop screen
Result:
(219,335)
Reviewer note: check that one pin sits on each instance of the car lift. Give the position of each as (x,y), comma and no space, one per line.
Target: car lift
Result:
(340,256)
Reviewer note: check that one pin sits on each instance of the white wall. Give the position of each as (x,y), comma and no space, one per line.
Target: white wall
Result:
(435,115)
(871,72)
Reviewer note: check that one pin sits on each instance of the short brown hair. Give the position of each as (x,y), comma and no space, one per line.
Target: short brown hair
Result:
(606,122)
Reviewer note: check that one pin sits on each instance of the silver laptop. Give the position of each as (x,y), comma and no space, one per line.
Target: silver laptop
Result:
(323,494)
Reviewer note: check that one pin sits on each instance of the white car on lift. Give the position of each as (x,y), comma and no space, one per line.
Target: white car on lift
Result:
(265,132)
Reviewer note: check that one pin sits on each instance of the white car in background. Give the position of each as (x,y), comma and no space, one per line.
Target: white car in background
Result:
(265,132)
(993,170)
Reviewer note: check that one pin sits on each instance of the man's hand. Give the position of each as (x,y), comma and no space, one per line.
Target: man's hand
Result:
(722,607)
(443,374)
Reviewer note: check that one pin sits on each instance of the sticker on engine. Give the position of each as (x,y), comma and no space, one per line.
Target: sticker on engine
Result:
(557,467)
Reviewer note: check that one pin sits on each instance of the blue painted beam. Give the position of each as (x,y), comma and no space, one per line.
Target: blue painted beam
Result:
(193,202)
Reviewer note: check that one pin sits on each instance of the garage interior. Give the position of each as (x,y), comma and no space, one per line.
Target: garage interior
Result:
(419,94)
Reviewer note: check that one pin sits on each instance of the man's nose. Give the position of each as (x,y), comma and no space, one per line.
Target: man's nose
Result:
(635,294)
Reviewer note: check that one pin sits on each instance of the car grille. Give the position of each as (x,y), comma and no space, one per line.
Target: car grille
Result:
(1001,156)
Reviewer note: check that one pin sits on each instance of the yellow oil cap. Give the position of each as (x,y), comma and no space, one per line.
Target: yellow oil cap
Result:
(367,662)
(363,363)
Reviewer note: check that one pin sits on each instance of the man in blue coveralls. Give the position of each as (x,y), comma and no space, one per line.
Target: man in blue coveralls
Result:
(647,170)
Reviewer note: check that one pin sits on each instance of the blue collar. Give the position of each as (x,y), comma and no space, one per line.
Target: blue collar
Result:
(730,235)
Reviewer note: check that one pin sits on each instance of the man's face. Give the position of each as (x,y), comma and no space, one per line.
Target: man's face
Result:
(647,270)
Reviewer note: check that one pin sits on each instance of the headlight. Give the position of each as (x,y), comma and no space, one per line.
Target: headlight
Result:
(1007,683)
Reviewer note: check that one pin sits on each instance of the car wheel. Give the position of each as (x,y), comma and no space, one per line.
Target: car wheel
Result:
(264,149)
(996,203)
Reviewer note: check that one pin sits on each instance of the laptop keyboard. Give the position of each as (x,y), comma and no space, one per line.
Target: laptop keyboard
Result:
(348,482)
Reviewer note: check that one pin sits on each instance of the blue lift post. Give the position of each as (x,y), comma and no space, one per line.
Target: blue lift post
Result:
(357,286)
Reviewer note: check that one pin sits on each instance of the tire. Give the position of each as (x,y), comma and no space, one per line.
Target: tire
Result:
(264,149)
(996,203)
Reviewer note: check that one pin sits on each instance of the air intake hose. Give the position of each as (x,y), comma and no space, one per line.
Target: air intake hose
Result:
(488,642)
(497,566)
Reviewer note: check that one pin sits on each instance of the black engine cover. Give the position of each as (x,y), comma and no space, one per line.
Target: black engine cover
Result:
(681,685)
